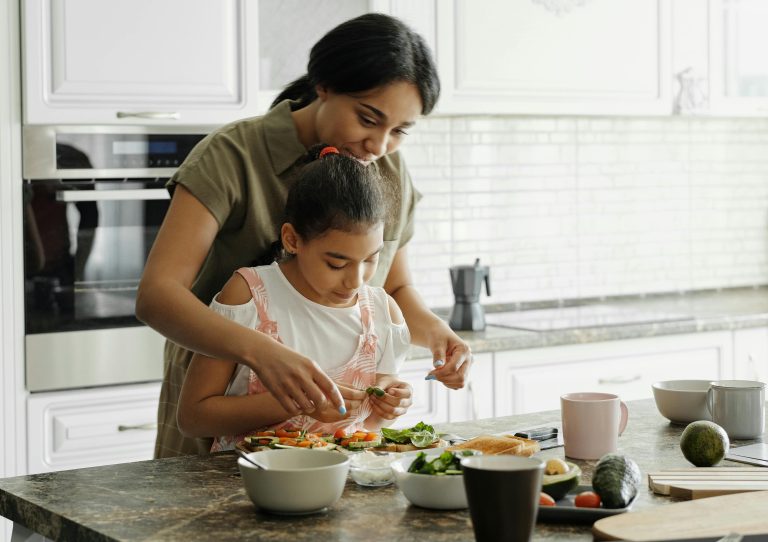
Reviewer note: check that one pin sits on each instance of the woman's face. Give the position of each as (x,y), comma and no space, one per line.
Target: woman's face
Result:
(330,269)
(367,125)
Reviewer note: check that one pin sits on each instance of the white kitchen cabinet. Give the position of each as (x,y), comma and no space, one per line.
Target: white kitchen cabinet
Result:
(533,380)
(738,70)
(139,61)
(472,402)
(750,354)
(529,57)
(87,428)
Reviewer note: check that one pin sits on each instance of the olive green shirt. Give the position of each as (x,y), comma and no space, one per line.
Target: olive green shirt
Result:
(242,173)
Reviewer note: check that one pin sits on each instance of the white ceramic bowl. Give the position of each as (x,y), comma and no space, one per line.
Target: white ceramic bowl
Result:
(371,470)
(682,401)
(295,481)
(427,490)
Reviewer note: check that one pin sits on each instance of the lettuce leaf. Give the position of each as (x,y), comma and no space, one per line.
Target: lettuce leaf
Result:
(403,436)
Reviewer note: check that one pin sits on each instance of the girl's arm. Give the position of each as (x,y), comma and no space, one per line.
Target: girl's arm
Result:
(426,328)
(166,303)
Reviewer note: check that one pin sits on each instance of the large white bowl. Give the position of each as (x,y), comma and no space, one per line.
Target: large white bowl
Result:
(682,401)
(427,490)
(295,481)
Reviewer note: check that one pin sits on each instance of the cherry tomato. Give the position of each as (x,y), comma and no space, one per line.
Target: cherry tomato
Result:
(339,434)
(587,499)
(546,500)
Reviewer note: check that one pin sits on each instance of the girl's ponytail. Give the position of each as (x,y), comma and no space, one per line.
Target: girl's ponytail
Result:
(301,90)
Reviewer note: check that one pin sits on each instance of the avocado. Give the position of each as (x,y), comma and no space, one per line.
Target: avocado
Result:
(616,480)
(704,443)
(558,486)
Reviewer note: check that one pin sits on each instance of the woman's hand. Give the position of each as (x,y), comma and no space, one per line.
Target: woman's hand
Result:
(396,399)
(329,413)
(451,356)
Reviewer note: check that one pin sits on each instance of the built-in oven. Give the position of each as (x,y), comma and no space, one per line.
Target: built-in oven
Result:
(94,199)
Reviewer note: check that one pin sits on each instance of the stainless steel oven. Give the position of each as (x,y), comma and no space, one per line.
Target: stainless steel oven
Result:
(94,199)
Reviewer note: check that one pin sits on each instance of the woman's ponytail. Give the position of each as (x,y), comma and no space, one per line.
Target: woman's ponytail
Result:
(301,90)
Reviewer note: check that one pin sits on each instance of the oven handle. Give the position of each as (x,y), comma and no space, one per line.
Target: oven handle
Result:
(110,195)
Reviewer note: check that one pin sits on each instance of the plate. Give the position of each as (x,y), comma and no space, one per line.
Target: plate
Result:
(565,511)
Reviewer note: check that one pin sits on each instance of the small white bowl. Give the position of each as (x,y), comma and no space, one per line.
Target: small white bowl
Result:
(682,401)
(427,490)
(295,481)
(371,470)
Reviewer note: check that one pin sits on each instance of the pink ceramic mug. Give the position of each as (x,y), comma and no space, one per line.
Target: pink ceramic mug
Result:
(592,423)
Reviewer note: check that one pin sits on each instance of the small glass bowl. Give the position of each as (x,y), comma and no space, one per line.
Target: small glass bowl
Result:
(371,470)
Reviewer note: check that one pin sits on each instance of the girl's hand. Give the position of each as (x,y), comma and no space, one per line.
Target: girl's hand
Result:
(451,357)
(329,413)
(396,400)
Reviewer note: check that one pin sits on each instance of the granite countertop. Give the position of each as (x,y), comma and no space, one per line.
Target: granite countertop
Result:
(709,310)
(202,498)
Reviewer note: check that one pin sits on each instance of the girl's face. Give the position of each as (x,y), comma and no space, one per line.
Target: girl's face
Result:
(367,125)
(330,269)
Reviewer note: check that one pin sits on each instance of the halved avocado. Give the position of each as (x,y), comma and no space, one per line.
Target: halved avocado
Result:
(558,485)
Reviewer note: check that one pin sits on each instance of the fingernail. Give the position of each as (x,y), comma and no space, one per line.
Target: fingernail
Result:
(438,363)
(430,377)
(343,409)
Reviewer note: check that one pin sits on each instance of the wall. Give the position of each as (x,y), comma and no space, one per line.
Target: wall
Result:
(582,207)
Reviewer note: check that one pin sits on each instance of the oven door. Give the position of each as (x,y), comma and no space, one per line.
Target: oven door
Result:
(86,243)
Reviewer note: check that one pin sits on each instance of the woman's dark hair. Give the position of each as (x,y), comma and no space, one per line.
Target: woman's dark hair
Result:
(367,52)
(332,192)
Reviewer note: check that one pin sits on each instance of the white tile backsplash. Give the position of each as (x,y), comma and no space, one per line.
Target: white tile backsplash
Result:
(581,207)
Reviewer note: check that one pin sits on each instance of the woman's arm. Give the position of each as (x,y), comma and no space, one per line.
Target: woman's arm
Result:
(426,328)
(166,303)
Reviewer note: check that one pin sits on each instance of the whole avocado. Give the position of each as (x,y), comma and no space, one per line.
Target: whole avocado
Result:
(616,480)
(704,443)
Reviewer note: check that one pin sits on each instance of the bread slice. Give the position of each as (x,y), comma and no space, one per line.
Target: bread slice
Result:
(499,445)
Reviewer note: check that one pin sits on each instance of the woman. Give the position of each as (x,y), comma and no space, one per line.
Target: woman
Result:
(368,81)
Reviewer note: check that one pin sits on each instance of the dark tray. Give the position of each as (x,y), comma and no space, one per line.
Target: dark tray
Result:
(565,511)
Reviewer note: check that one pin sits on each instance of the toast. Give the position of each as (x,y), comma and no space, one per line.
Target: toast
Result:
(499,445)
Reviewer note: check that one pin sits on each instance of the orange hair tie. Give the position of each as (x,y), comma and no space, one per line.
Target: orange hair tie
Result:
(328,150)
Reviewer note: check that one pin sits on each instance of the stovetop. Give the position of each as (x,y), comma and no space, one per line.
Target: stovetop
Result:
(579,317)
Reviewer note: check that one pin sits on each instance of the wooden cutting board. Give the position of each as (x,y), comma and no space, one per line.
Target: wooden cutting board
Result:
(743,513)
(698,483)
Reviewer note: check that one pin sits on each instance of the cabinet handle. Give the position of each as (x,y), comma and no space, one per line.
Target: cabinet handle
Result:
(471,396)
(620,380)
(140,194)
(161,115)
(151,426)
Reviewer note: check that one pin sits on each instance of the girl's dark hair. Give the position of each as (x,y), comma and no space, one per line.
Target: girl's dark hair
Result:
(363,53)
(332,192)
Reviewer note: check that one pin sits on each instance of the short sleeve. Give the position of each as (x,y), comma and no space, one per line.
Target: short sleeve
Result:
(411,197)
(245,314)
(395,346)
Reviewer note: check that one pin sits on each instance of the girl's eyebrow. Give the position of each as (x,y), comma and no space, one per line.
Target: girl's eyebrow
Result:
(381,115)
(339,256)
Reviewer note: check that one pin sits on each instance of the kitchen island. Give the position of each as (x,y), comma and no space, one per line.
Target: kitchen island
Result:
(202,498)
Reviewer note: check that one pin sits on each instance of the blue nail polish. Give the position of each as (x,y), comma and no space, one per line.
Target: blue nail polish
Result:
(343,409)
(438,363)
(430,377)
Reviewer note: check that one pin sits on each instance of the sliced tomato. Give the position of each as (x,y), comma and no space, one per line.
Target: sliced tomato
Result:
(546,500)
(290,434)
(587,499)
(265,433)
(339,434)
(345,442)
(371,436)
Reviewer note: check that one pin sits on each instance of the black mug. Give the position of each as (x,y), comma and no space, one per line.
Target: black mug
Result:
(503,496)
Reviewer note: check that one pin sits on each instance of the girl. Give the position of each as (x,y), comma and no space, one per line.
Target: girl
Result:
(315,301)
(368,81)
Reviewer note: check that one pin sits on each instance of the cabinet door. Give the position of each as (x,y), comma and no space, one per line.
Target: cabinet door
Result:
(738,70)
(523,56)
(430,398)
(475,400)
(129,61)
(534,380)
(87,428)
(750,353)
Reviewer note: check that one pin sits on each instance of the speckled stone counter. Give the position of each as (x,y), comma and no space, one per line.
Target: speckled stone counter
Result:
(735,308)
(202,499)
